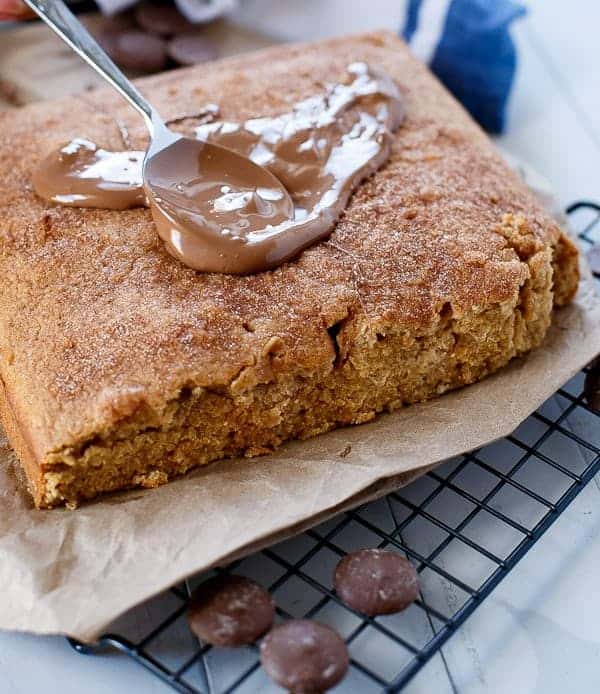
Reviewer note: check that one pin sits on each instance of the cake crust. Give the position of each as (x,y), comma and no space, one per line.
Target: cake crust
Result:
(122,367)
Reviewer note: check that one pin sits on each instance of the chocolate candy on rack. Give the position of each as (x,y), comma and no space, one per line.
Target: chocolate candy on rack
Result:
(376,581)
(304,656)
(229,610)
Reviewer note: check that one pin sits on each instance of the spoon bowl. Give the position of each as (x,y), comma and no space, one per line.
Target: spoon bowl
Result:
(205,199)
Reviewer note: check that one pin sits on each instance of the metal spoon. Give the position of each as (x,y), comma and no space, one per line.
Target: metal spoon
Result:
(189,183)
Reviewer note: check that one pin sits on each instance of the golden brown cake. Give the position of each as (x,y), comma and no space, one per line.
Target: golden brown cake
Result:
(121,367)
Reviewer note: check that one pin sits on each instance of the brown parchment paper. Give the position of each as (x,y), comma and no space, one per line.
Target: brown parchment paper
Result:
(73,572)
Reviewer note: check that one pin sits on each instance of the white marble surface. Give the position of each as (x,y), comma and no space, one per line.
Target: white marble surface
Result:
(539,633)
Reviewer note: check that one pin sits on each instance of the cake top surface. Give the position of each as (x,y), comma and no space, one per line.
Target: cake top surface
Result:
(96,318)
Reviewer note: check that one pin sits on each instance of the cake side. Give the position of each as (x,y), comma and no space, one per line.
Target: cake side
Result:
(124,368)
(376,372)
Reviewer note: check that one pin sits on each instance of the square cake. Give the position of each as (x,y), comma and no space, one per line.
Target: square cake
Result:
(121,367)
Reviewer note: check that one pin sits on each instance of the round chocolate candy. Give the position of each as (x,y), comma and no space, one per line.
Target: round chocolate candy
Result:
(304,656)
(135,50)
(230,610)
(190,49)
(161,19)
(106,34)
(376,581)
(591,386)
(107,38)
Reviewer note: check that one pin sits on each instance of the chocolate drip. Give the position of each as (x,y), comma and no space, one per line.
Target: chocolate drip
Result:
(217,217)
(81,174)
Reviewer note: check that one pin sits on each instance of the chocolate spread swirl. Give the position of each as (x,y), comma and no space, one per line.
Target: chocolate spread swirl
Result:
(320,152)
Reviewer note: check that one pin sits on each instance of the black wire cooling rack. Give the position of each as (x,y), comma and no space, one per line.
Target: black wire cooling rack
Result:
(465,525)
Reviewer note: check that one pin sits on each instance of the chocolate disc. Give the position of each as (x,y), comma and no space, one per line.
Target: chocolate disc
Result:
(190,49)
(591,386)
(161,19)
(107,38)
(106,34)
(304,656)
(135,50)
(593,258)
(230,610)
(376,581)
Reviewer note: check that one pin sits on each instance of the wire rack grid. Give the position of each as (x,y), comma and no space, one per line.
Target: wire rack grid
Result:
(465,526)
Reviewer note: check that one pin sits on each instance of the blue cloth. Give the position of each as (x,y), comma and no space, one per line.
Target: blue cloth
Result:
(468,46)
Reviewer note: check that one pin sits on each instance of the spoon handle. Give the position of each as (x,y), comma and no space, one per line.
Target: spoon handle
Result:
(61,20)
